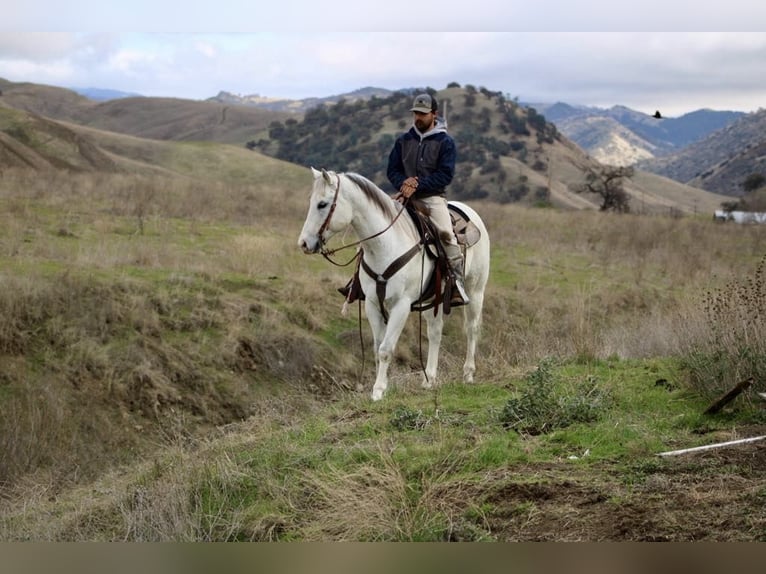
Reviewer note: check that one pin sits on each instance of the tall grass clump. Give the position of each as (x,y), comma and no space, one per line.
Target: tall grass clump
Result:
(545,403)
(731,344)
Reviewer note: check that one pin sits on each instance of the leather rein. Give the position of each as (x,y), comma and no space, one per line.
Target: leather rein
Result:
(327,253)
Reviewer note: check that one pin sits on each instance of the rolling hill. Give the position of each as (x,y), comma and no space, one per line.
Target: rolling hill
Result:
(621,136)
(508,153)
(720,162)
(153,118)
(31,141)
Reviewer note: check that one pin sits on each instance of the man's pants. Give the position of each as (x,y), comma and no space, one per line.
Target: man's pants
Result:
(443,223)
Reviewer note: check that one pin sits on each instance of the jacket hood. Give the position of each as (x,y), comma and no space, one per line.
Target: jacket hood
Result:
(440,126)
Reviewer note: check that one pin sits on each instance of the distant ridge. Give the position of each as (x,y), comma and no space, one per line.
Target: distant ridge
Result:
(520,156)
(298,106)
(622,136)
(720,162)
(104,94)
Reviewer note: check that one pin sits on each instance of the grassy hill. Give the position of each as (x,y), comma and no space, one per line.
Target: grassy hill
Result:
(30,140)
(507,153)
(172,367)
(150,118)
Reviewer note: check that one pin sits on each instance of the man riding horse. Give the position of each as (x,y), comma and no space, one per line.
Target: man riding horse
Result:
(421,165)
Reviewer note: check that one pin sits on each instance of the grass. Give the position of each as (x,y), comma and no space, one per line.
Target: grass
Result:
(173,368)
(398,470)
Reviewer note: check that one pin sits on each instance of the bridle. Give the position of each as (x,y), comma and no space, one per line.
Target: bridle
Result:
(327,253)
(326,223)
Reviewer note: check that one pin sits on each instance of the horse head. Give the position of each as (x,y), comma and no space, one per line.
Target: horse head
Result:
(327,214)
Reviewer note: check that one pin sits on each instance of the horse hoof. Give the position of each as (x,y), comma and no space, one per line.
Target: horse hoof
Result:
(377,395)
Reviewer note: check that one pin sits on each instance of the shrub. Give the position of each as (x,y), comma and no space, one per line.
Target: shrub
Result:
(732,344)
(543,405)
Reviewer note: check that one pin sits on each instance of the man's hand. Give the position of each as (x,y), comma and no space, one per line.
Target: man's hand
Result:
(409,187)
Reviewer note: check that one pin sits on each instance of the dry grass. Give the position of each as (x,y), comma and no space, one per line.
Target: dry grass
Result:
(140,311)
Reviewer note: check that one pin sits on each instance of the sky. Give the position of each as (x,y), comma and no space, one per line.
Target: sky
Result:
(654,56)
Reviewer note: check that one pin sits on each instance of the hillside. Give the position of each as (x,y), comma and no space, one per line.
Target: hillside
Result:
(508,153)
(720,162)
(621,136)
(32,141)
(297,106)
(154,118)
(174,368)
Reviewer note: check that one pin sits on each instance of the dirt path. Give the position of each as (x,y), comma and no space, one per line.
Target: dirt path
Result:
(715,495)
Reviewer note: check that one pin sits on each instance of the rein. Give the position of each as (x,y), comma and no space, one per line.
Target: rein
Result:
(327,253)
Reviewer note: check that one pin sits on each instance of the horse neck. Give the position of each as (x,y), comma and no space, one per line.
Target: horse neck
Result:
(368,221)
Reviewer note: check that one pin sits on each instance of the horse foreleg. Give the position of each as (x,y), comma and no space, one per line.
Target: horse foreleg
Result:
(378,328)
(385,351)
(472,328)
(435,327)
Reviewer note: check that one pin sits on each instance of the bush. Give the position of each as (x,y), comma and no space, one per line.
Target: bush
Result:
(543,405)
(732,346)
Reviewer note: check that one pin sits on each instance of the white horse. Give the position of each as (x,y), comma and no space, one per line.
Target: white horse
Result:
(340,200)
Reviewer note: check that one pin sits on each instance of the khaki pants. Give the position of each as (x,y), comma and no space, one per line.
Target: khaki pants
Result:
(443,223)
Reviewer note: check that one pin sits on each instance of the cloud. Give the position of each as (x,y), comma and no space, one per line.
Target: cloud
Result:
(35,46)
(675,71)
(331,16)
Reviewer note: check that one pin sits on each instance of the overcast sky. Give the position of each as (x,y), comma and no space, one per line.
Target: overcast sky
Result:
(298,49)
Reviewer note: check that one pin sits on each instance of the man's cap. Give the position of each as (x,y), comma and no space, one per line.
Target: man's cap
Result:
(424,103)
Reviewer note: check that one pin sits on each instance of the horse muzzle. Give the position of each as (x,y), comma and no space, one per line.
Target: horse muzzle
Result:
(309,246)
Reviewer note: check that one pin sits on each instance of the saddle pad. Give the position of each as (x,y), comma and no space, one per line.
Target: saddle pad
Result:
(465,230)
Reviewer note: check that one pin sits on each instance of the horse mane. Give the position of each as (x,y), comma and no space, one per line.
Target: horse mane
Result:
(377,196)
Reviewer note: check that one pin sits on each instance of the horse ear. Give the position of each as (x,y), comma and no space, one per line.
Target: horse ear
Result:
(316,173)
(327,176)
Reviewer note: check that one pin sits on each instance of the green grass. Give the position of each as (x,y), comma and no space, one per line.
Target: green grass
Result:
(408,448)
(211,347)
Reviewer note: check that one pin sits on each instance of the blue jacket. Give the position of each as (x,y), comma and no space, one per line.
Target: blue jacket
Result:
(430,157)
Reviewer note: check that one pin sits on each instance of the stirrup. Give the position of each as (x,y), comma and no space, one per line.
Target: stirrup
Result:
(458,296)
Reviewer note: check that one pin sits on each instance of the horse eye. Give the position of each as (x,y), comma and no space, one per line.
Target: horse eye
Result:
(322,205)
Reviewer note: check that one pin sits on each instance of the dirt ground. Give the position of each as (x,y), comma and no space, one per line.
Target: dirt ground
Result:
(713,495)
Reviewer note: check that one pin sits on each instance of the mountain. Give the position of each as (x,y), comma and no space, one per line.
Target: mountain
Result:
(720,162)
(616,136)
(297,106)
(155,118)
(103,94)
(507,152)
(621,136)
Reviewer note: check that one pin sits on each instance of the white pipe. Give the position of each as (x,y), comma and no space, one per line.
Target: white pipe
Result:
(709,446)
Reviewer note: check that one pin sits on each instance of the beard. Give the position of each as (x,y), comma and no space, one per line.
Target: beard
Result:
(422,126)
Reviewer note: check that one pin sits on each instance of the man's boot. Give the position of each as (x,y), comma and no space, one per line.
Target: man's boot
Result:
(459,295)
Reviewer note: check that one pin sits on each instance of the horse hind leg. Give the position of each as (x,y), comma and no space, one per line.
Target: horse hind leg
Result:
(472,329)
(435,328)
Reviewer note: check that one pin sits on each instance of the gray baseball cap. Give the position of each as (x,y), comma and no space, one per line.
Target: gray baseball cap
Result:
(424,103)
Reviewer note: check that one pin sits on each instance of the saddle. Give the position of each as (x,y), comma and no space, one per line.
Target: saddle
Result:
(437,292)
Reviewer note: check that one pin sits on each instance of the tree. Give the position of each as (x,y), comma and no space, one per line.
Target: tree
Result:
(607,182)
(753,182)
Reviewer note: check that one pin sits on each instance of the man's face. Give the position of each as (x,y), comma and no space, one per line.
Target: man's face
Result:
(423,121)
